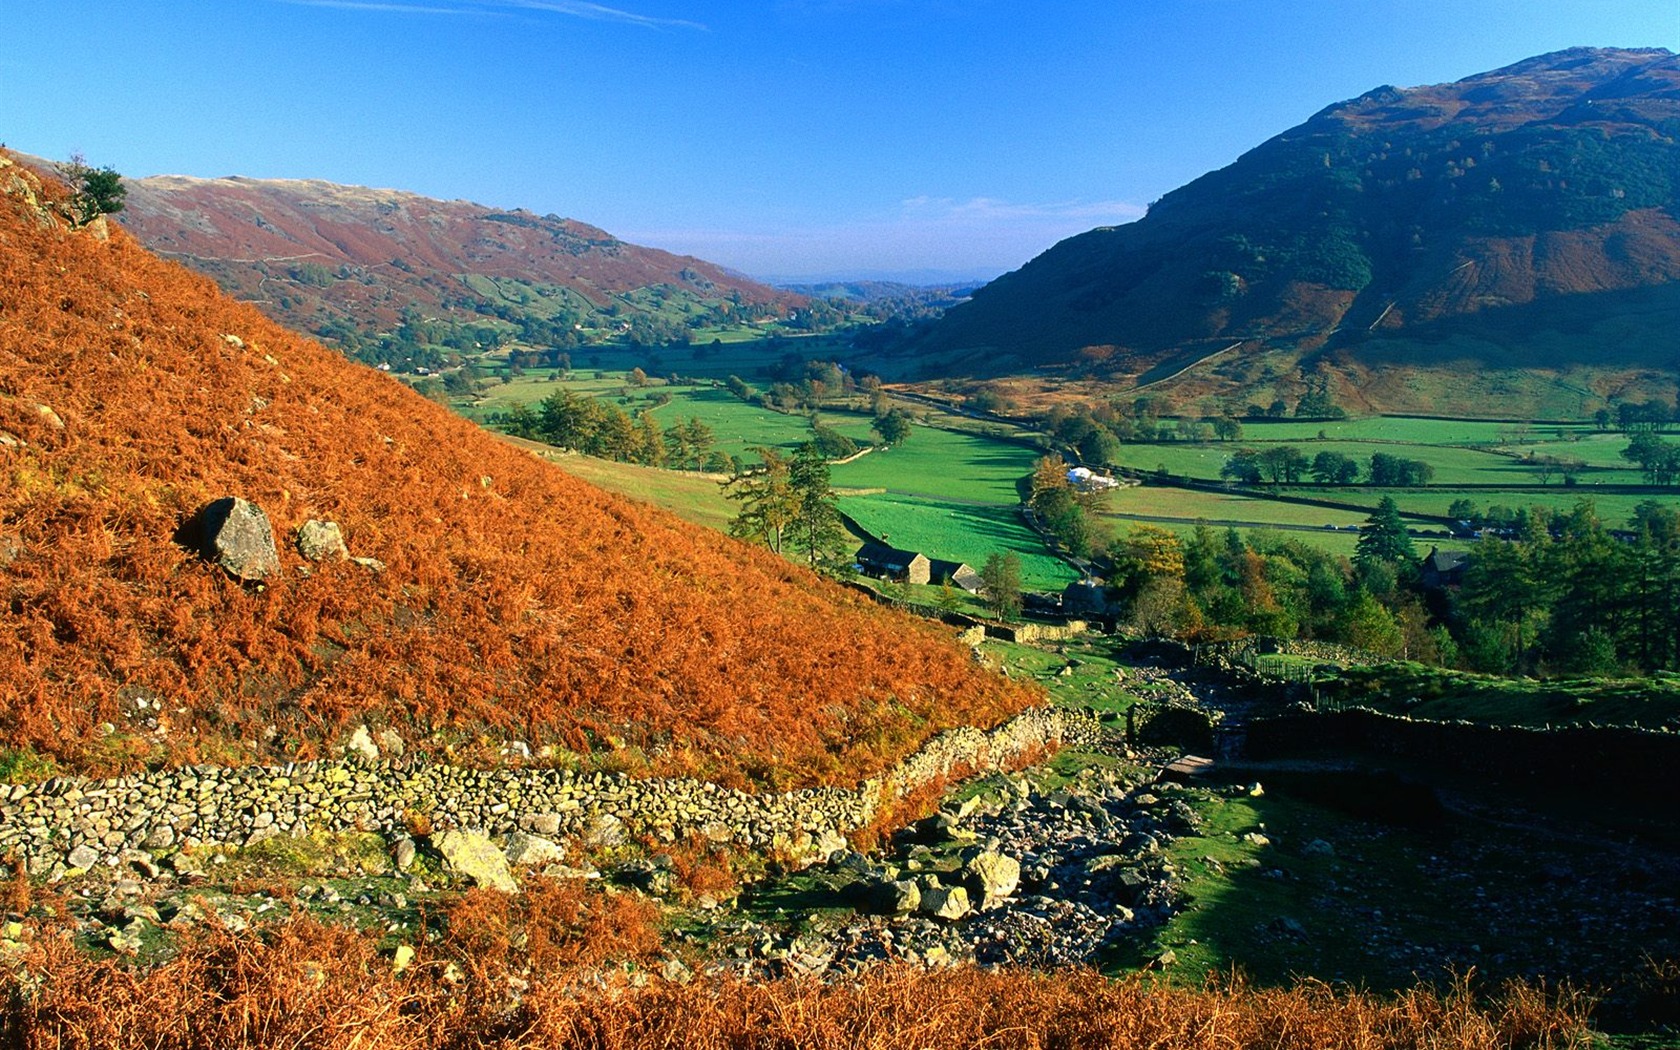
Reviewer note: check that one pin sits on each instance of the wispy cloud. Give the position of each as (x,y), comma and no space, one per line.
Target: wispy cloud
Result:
(567,8)
(601,13)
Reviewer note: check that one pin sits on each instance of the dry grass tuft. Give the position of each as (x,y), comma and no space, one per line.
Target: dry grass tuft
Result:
(299,983)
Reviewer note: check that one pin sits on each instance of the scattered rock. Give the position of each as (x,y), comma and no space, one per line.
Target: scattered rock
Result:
(159,838)
(236,535)
(993,876)
(83,857)
(1318,848)
(945,902)
(545,824)
(604,831)
(474,856)
(894,897)
(373,565)
(526,850)
(361,745)
(390,742)
(403,853)
(49,416)
(402,957)
(320,540)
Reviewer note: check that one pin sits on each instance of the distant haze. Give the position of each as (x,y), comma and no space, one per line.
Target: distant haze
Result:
(785,137)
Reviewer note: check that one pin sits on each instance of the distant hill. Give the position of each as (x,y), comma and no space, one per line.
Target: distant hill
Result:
(1523,219)
(878,291)
(352,264)
(515,603)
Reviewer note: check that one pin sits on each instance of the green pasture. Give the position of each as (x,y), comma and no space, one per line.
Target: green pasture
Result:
(960,532)
(694,497)
(941,464)
(1414,431)
(737,426)
(1164,501)
(1613,509)
(1332,542)
(1442,695)
(1453,465)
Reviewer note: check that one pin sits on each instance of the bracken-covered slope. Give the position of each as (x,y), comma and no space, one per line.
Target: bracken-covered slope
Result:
(1538,204)
(516,603)
(333,259)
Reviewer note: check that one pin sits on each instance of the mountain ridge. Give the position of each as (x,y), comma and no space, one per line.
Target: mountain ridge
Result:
(1434,212)
(352,262)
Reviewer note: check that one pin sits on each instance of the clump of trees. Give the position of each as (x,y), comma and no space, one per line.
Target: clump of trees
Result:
(788,504)
(1556,593)
(1287,465)
(1659,460)
(1069,512)
(1097,432)
(568,419)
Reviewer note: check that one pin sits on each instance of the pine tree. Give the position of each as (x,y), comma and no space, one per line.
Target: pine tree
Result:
(769,502)
(816,528)
(1385,538)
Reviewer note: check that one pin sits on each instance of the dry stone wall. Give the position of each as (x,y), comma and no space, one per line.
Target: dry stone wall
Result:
(67,822)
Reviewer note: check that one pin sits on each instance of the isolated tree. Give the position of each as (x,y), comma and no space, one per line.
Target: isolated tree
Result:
(1100,447)
(1385,538)
(947,600)
(893,428)
(93,191)
(1002,577)
(815,529)
(769,502)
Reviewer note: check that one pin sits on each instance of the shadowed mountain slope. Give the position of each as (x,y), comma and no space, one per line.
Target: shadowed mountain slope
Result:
(1465,221)
(515,602)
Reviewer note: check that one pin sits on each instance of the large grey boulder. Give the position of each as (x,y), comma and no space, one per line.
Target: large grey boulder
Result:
(476,857)
(992,876)
(235,534)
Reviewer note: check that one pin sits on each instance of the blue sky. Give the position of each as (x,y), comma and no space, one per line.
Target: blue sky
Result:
(779,137)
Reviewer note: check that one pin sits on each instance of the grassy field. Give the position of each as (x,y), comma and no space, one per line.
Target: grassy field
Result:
(737,426)
(1453,465)
(951,495)
(1225,506)
(960,532)
(1440,695)
(943,465)
(694,497)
